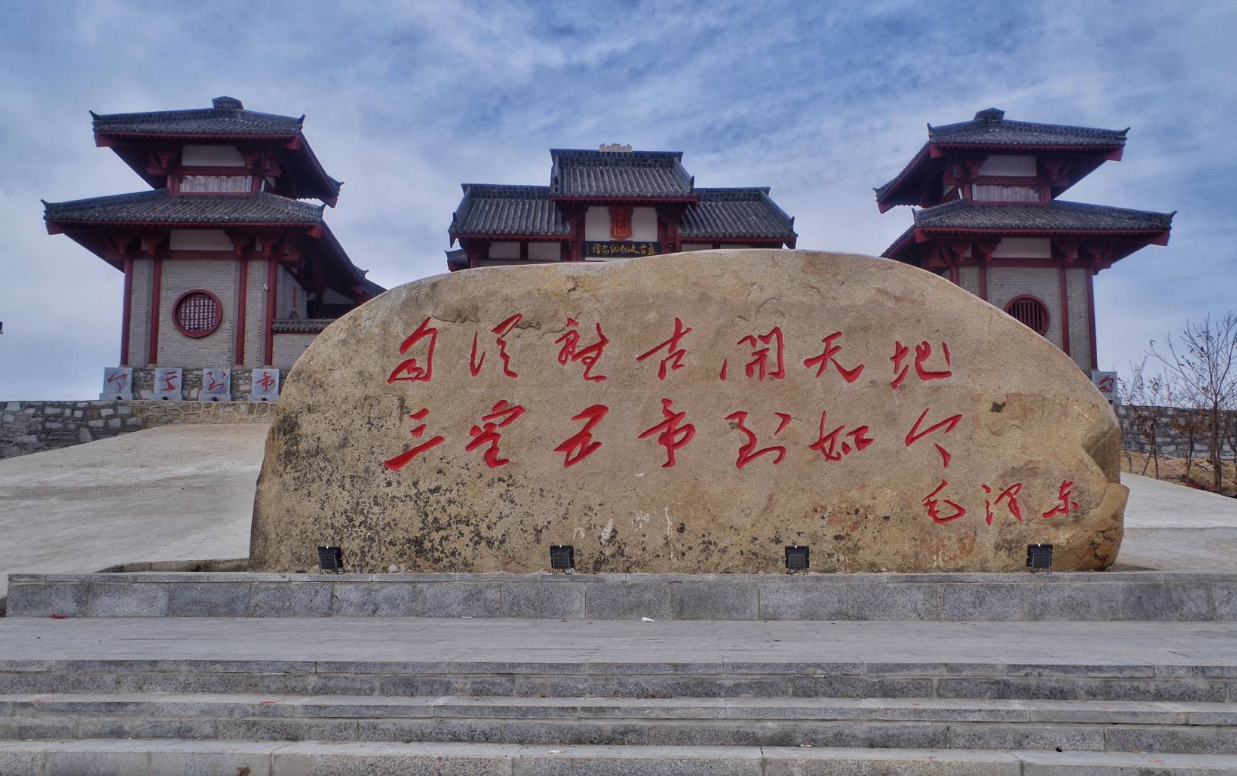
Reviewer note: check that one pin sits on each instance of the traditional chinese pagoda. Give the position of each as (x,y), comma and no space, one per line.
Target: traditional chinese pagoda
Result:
(988,218)
(225,265)
(613,203)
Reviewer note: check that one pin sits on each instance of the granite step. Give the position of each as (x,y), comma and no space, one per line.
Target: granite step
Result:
(800,679)
(1078,597)
(165,757)
(923,723)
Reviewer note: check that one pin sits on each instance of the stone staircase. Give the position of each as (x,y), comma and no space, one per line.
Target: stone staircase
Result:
(85,692)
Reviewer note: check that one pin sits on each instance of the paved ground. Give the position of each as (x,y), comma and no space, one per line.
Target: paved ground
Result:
(1174,528)
(186,493)
(609,641)
(169,493)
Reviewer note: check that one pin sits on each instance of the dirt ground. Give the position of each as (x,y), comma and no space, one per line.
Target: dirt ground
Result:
(1174,470)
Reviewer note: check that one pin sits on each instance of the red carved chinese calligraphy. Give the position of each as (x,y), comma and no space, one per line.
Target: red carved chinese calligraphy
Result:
(1065,502)
(501,331)
(502,414)
(829,356)
(670,434)
(267,380)
(932,504)
(945,426)
(827,443)
(214,381)
(758,367)
(748,451)
(923,352)
(411,370)
(401,460)
(674,353)
(581,445)
(1009,496)
(588,355)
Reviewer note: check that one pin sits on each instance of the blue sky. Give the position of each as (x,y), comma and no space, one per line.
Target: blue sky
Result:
(404,101)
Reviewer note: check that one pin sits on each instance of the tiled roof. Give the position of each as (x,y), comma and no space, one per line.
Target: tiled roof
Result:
(159,207)
(1055,215)
(740,212)
(577,173)
(989,127)
(508,210)
(301,325)
(226,117)
(457,259)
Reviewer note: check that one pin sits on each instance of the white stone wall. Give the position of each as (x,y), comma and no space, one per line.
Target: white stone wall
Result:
(1079,317)
(211,156)
(289,347)
(180,275)
(1023,248)
(1005,283)
(139,312)
(1009,166)
(504,250)
(545,251)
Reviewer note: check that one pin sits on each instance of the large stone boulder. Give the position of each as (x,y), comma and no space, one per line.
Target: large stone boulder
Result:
(689,413)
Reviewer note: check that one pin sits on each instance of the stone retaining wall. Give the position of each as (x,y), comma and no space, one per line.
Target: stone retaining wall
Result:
(34,426)
(1170,437)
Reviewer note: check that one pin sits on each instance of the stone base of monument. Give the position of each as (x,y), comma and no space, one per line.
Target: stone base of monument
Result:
(1113,673)
(1089,597)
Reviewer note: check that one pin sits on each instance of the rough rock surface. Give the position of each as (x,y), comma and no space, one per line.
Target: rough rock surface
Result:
(991,438)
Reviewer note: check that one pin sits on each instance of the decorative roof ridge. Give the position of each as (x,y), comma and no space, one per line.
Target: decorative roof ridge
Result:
(721,192)
(945,130)
(492,189)
(615,156)
(1056,204)
(102,120)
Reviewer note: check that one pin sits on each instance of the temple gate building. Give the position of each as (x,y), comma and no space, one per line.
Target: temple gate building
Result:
(226,268)
(612,203)
(990,220)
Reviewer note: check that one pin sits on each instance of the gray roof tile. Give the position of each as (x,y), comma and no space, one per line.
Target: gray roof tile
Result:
(508,210)
(1055,215)
(736,212)
(579,173)
(160,207)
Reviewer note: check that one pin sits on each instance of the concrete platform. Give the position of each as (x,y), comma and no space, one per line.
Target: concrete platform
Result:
(165,494)
(1172,527)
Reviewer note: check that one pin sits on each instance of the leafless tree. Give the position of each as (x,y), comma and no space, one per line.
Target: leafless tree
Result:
(1203,358)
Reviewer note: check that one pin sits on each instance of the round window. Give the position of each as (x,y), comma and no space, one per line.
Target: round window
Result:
(197,313)
(1029,311)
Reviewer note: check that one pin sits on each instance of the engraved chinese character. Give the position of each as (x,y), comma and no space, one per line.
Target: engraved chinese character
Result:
(401,460)
(503,414)
(829,356)
(748,452)
(674,353)
(411,369)
(500,331)
(672,433)
(588,355)
(945,426)
(580,446)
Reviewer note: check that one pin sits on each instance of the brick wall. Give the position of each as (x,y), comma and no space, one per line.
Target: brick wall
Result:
(139,313)
(1005,283)
(255,306)
(289,347)
(1079,317)
(968,278)
(219,276)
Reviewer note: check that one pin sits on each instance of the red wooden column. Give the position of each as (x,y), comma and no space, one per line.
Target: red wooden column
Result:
(272,281)
(156,283)
(127,309)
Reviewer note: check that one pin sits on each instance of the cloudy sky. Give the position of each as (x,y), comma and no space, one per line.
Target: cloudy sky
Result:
(406,100)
